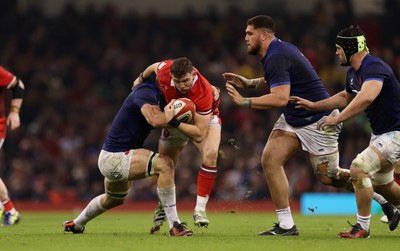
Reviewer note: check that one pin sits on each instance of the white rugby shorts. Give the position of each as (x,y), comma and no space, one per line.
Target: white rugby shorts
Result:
(388,144)
(314,141)
(115,166)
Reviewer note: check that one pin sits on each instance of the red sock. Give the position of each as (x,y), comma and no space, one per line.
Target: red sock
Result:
(8,205)
(205,180)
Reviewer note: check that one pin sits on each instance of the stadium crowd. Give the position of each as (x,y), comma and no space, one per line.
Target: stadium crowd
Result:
(78,68)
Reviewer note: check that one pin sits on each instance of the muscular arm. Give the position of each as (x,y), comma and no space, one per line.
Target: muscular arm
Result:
(154,116)
(368,93)
(197,131)
(278,97)
(339,100)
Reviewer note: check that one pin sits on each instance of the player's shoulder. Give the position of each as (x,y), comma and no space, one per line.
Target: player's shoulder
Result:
(372,64)
(164,65)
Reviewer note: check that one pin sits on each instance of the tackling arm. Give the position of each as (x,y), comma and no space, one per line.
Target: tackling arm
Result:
(154,116)
(149,72)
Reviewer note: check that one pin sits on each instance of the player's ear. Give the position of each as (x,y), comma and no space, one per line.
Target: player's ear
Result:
(264,35)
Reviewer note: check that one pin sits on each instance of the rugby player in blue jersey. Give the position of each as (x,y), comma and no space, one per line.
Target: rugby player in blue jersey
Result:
(123,159)
(288,73)
(371,87)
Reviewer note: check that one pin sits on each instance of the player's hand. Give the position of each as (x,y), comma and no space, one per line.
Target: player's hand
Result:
(136,83)
(216,92)
(236,97)
(302,103)
(236,80)
(169,110)
(327,121)
(13,120)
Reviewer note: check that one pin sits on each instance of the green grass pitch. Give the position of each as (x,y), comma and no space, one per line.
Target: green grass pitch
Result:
(117,231)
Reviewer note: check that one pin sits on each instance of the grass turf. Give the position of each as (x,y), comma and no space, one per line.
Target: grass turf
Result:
(115,231)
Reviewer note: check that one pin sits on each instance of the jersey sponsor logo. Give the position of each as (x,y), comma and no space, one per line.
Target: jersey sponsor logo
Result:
(308,118)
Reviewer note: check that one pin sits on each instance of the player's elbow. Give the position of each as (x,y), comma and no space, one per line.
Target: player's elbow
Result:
(198,138)
(282,102)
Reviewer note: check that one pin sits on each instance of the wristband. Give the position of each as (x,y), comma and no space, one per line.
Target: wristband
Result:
(174,122)
(246,102)
(14,109)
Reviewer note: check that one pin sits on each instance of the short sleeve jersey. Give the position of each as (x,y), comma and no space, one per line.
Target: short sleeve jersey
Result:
(384,112)
(130,128)
(284,64)
(6,78)
(201,93)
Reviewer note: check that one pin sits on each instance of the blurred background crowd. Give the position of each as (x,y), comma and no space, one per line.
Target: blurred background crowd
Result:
(78,67)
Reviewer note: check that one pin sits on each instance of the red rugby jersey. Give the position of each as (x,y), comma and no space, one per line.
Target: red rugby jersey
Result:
(201,93)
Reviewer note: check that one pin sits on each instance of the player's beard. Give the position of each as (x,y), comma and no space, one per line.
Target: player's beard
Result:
(254,50)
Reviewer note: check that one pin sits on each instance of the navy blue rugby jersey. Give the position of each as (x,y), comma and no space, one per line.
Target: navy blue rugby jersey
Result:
(384,112)
(130,128)
(284,64)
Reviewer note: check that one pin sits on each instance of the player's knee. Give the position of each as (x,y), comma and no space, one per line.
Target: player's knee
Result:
(165,165)
(210,156)
(328,166)
(367,162)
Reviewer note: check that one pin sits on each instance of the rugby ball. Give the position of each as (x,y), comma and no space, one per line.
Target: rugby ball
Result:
(184,110)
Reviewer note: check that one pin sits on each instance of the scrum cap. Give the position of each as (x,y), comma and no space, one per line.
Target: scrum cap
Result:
(351,46)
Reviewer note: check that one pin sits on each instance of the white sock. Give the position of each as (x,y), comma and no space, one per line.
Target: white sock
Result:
(91,211)
(364,221)
(379,198)
(201,203)
(167,198)
(285,218)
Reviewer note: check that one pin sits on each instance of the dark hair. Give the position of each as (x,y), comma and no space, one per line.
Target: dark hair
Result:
(351,31)
(262,21)
(180,67)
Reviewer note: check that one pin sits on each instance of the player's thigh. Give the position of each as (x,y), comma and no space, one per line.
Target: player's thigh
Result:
(209,146)
(171,143)
(281,145)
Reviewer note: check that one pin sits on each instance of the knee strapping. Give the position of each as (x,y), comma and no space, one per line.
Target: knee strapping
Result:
(151,163)
(332,170)
(380,179)
(362,183)
(116,195)
(368,161)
